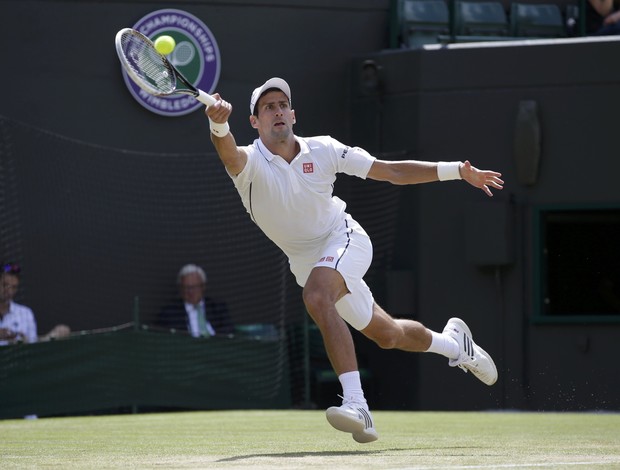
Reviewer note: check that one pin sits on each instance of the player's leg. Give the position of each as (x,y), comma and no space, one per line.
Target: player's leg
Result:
(455,342)
(343,261)
(406,335)
(324,287)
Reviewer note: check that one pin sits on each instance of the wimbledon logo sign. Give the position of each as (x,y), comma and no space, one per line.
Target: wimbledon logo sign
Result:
(196,56)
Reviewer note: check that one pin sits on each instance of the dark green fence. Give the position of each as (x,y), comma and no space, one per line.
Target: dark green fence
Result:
(131,370)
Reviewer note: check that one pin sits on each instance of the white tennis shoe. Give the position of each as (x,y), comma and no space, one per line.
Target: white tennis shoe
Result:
(355,418)
(472,357)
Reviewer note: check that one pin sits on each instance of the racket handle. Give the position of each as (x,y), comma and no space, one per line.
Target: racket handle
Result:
(205,98)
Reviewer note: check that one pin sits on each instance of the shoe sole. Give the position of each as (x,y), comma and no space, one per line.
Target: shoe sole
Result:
(369,435)
(465,328)
(343,421)
(349,422)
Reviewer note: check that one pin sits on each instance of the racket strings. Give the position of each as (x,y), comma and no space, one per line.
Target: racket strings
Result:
(182,54)
(147,65)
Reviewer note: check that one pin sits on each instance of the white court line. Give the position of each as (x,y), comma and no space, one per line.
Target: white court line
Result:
(513,465)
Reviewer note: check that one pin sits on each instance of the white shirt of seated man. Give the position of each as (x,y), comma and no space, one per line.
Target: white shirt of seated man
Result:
(17,322)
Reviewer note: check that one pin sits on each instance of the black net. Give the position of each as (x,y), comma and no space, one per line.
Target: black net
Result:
(101,233)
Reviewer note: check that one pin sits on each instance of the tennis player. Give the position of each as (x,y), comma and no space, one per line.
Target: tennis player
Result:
(285,183)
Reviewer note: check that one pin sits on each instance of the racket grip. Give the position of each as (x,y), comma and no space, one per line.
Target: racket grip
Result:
(205,98)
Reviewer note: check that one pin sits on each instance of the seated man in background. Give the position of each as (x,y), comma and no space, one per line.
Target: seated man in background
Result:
(17,322)
(194,311)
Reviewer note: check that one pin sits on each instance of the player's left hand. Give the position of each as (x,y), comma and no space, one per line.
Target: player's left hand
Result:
(483,179)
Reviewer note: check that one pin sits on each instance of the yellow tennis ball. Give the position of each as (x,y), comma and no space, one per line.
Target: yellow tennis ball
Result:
(165,44)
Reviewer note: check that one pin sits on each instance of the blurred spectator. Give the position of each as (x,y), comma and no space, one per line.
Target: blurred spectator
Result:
(602,17)
(194,312)
(17,322)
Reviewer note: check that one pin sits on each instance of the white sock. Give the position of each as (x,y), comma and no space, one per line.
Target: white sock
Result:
(352,386)
(444,345)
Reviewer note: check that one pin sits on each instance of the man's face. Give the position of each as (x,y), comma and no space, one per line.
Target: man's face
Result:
(192,288)
(9,284)
(275,118)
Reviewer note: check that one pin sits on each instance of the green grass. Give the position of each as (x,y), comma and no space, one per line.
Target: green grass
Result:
(304,439)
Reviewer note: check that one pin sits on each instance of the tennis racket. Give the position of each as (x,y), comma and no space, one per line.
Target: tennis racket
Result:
(151,70)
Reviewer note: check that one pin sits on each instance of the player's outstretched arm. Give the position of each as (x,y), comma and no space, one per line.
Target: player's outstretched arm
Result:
(416,172)
(233,157)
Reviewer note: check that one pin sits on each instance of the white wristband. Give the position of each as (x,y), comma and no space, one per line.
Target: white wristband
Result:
(448,171)
(219,129)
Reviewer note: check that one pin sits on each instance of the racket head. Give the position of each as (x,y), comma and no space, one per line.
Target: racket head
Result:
(149,69)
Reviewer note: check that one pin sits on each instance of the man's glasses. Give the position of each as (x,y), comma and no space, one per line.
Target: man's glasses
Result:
(11,268)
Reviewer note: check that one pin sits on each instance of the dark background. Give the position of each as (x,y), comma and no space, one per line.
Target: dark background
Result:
(77,148)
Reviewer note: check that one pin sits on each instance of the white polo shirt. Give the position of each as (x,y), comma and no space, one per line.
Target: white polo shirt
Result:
(20,319)
(293,204)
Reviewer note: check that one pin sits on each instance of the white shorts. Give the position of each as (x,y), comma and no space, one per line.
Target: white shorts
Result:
(348,251)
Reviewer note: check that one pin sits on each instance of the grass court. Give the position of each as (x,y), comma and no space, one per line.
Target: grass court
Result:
(296,439)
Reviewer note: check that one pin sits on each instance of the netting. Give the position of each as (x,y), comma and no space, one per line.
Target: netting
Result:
(101,233)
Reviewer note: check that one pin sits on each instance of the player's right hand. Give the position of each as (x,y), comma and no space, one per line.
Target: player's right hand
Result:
(220,110)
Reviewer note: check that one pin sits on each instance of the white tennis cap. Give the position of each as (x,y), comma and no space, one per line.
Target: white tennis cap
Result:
(271,83)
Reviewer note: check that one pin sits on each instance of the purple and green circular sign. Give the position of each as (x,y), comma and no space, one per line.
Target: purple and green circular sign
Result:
(196,56)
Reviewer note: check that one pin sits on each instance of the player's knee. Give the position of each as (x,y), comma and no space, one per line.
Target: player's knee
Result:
(314,301)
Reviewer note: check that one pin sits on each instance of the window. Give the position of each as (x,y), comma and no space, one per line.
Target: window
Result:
(578,267)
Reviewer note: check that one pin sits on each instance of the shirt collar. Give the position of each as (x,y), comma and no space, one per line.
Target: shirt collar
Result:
(189,306)
(303,148)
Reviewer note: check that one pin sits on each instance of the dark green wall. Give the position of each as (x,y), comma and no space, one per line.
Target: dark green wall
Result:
(67,76)
(475,257)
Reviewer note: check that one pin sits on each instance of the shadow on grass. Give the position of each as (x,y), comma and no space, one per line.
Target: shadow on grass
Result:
(329,453)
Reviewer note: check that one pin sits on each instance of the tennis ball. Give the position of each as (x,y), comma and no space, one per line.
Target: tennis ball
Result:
(165,44)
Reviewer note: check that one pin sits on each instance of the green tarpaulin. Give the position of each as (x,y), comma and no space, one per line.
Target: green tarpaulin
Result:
(127,368)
